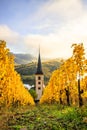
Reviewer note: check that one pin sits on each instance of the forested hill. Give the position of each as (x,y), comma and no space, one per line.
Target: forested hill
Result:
(27,71)
(23,58)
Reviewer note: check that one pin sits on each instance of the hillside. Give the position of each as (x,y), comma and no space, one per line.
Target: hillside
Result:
(23,58)
(27,71)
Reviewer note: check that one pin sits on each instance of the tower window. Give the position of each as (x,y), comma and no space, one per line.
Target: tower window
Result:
(39,78)
(39,88)
(39,82)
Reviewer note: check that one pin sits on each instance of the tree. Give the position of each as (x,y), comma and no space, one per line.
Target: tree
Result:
(33,93)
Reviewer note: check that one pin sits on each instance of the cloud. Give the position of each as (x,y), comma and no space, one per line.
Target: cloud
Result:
(57,12)
(61,23)
(7,34)
(13,39)
(50,44)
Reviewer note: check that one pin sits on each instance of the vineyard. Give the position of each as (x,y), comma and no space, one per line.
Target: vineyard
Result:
(68,84)
(67,88)
(12,91)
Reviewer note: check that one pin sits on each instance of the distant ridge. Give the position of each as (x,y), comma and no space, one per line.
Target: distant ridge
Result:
(23,58)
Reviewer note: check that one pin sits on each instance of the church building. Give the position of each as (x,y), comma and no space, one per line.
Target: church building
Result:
(39,79)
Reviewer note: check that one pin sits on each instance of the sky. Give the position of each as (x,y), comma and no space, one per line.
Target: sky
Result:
(53,24)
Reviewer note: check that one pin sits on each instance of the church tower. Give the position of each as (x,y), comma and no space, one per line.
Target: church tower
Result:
(39,79)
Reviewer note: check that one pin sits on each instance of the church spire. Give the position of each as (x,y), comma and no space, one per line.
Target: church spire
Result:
(39,65)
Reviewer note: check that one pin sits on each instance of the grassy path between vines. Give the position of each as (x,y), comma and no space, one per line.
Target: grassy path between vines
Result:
(44,117)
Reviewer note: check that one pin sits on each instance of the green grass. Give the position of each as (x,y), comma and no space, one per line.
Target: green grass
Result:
(45,117)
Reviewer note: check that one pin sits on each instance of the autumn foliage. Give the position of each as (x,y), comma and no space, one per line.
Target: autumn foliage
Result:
(12,90)
(68,84)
